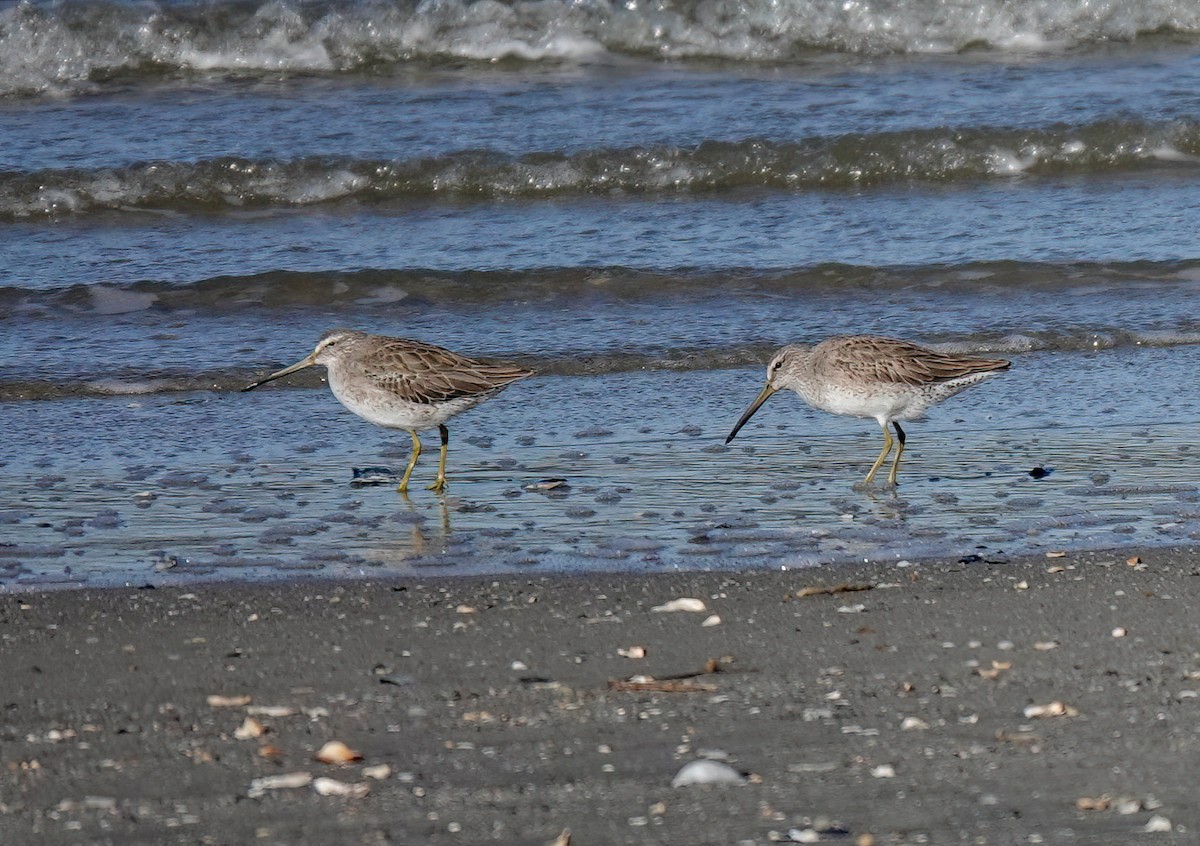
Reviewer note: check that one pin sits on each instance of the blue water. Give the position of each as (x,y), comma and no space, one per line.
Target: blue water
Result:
(621,196)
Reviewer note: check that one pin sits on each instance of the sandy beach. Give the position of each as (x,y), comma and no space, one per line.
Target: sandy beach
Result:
(1037,700)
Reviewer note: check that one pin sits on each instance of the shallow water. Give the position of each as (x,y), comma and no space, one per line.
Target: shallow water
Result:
(639,201)
(169,488)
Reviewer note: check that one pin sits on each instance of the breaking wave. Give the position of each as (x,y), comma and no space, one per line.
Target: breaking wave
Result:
(66,47)
(850,161)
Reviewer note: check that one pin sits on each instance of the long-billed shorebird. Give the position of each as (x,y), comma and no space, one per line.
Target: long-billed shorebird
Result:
(401,384)
(870,376)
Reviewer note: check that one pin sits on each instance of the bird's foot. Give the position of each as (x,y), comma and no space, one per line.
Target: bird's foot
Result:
(439,486)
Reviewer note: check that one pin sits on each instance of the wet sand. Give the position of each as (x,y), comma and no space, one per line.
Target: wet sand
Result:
(209,486)
(487,711)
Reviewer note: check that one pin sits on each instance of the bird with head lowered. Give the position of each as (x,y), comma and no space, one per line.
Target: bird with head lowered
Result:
(870,376)
(399,383)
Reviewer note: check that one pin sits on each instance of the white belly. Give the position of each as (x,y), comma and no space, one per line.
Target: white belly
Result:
(386,409)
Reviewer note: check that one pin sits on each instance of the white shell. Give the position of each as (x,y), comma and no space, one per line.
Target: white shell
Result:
(683,604)
(707,772)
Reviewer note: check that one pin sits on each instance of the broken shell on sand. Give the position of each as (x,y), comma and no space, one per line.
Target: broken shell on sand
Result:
(336,752)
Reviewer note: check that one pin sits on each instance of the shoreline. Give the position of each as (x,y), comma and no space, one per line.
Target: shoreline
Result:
(504,711)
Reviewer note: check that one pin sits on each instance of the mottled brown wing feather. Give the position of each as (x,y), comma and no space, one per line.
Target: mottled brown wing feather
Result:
(424,373)
(890,360)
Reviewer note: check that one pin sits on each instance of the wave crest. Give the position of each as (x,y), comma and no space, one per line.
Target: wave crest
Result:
(853,161)
(60,48)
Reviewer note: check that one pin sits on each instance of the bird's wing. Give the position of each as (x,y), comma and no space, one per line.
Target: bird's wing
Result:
(893,361)
(424,373)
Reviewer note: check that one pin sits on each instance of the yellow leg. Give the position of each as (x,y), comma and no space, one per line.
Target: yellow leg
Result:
(412,462)
(899,452)
(439,483)
(887,447)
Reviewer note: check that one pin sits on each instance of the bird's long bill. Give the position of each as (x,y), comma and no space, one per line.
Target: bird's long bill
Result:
(299,365)
(754,406)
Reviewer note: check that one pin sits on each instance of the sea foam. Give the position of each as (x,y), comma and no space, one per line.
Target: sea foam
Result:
(60,48)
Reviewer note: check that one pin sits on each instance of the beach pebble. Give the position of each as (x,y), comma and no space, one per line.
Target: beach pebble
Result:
(633,652)
(107,519)
(707,772)
(682,604)
(262,513)
(1120,631)
(181,479)
(593,432)
(804,835)
(884,771)
(378,772)
(366,476)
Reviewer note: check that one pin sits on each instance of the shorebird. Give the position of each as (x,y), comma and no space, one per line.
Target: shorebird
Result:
(402,384)
(870,376)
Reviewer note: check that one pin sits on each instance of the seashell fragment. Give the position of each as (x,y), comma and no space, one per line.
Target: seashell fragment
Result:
(633,652)
(1120,631)
(913,724)
(1157,823)
(332,787)
(1053,709)
(682,604)
(563,839)
(218,701)
(547,485)
(336,752)
(706,772)
(711,620)
(250,728)
(271,710)
(884,771)
(279,782)
(996,669)
(379,772)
